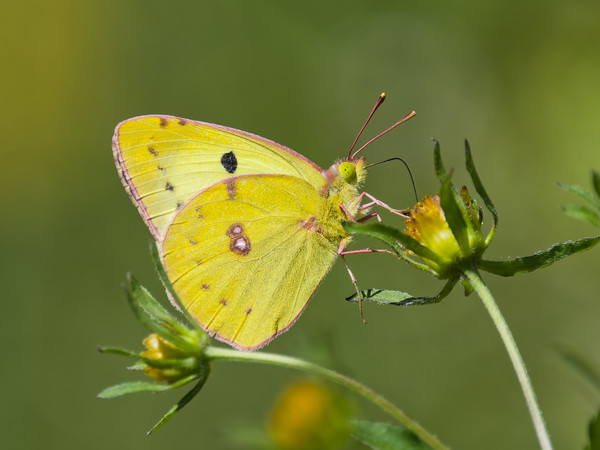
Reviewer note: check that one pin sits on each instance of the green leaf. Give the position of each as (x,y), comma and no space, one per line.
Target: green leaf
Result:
(596,182)
(138,365)
(581,192)
(139,297)
(456,215)
(581,213)
(538,260)
(440,170)
(480,189)
(162,274)
(181,403)
(384,436)
(399,298)
(392,237)
(158,312)
(594,433)
(119,351)
(132,387)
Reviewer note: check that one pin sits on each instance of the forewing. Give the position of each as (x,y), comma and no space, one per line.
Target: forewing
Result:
(245,258)
(164,161)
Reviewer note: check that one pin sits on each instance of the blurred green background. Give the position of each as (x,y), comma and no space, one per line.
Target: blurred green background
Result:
(519,79)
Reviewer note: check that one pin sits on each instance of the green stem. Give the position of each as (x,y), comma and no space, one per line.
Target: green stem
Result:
(513,352)
(213,353)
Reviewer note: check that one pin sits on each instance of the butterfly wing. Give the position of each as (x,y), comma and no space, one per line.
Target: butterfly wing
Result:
(245,256)
(164,161)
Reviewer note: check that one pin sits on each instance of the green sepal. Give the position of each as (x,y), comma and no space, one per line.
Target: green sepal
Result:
(384,436)
(139,300)
(399,298)
(481,191)
(143,361)
(133,387)
(393,237)
(538,260)
(119,351)
(162,274)
(156,311)
(456,215)
(181,403)
(440,170)
(594,433)
(581,192)
(138,366)
(468,287)
(581,213)
(596,182)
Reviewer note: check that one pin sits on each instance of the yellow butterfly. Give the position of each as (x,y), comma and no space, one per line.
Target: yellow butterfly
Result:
(247,228)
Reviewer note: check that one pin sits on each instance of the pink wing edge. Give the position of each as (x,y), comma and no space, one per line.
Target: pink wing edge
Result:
(126,179)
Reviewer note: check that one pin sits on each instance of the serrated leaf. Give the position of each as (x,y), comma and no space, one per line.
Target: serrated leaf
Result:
(538,260)
(580,212)
(399,298)
(440,170)
(594,433)
(384,436)
(581,192)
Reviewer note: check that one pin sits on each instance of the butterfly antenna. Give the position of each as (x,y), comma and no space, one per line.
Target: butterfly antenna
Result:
(412,180)
(377,105)
(401,121)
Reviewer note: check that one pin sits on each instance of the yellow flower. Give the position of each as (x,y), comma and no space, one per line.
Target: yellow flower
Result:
(427,225)
(163,351)
(309,416)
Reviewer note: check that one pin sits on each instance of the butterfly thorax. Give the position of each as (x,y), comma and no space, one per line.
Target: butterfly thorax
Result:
(337,192)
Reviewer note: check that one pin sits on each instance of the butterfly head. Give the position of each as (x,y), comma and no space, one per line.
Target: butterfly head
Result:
(353,172)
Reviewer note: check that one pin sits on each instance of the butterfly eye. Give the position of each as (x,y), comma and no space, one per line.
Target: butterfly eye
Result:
(347,171)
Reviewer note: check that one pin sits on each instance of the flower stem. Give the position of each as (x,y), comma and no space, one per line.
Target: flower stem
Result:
(213,353)
(513,352)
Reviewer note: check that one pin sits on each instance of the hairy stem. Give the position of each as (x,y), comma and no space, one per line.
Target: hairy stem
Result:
(513,352)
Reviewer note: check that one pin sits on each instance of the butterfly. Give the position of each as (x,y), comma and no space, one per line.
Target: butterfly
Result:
(246,228)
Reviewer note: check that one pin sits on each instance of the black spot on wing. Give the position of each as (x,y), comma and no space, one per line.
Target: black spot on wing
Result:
(229,162)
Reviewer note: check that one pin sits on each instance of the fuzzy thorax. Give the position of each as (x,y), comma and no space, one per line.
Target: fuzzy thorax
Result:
(343,180)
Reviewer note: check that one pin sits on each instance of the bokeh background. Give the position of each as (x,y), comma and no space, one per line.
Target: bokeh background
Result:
(519,79)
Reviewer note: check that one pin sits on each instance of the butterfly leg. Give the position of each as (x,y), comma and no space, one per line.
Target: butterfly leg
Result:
(374,201)
(362,219)
(354,282)
(370,216)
